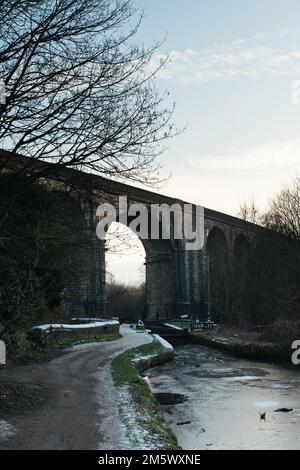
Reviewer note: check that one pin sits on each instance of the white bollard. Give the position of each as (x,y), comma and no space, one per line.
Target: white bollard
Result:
(2,353)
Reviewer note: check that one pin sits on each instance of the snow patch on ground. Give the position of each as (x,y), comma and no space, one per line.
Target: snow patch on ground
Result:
(135,434)
(164,343)
(59,326)
(108,414)
(7,430)
(173,326)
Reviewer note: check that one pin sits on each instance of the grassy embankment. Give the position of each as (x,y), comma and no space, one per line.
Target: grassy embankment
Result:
(272,343)
(150,418)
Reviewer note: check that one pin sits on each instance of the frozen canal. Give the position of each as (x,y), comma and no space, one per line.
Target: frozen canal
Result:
(214,401)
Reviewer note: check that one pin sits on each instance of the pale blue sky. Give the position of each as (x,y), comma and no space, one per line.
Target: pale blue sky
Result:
(233,63)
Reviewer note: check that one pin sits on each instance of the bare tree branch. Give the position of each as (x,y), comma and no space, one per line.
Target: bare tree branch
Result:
(80,93)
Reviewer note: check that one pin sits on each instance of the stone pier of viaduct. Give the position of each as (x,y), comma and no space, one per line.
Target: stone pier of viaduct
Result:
(210,281)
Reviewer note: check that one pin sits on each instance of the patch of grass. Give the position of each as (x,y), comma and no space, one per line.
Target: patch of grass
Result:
(126,375)
(244,346)
(124,372)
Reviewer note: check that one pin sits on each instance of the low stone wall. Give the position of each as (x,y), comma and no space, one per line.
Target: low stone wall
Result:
(165,355)
(44,333)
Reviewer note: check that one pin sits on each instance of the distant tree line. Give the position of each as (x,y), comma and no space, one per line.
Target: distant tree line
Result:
(126,301)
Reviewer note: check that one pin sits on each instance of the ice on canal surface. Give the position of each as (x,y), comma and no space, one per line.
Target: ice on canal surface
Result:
(224,397)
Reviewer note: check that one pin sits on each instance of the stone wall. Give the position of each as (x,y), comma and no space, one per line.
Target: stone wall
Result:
(165,355)
(45,333)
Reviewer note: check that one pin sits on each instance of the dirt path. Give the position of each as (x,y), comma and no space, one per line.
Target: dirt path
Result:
(81,412)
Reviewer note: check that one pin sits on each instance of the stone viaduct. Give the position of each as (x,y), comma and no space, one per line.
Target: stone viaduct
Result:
(201,282)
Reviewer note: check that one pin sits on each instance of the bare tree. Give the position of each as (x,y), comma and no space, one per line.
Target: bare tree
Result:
(283,214)
(277,262)
(249,212)
(79,92)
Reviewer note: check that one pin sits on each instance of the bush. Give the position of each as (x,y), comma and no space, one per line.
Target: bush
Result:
(282,332)
(126,302)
